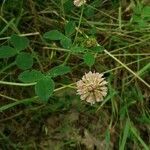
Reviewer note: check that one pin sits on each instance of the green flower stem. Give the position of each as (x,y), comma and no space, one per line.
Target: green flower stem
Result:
(17,84)
(28,100)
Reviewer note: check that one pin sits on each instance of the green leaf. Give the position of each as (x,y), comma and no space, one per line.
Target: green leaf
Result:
(44,88)
(125,135)
(19,43)
(89,59)
(24,60)
(30,76)
(70,28)
(7,51)
(53,35)
(98,49)
(66,42)
(78,49)
(59,70)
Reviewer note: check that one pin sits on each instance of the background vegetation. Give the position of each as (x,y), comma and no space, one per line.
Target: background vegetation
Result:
(48,45)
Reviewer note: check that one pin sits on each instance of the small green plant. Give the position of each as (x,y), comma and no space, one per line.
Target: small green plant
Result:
(58,59)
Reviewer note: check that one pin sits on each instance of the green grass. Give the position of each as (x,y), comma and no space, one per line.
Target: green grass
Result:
(62,43)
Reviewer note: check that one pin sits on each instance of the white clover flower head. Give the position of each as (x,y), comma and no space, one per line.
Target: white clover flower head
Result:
(92,87)
(79,3)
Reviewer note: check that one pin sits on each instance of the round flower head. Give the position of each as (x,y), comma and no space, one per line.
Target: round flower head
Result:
(92,88)
(79,3)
